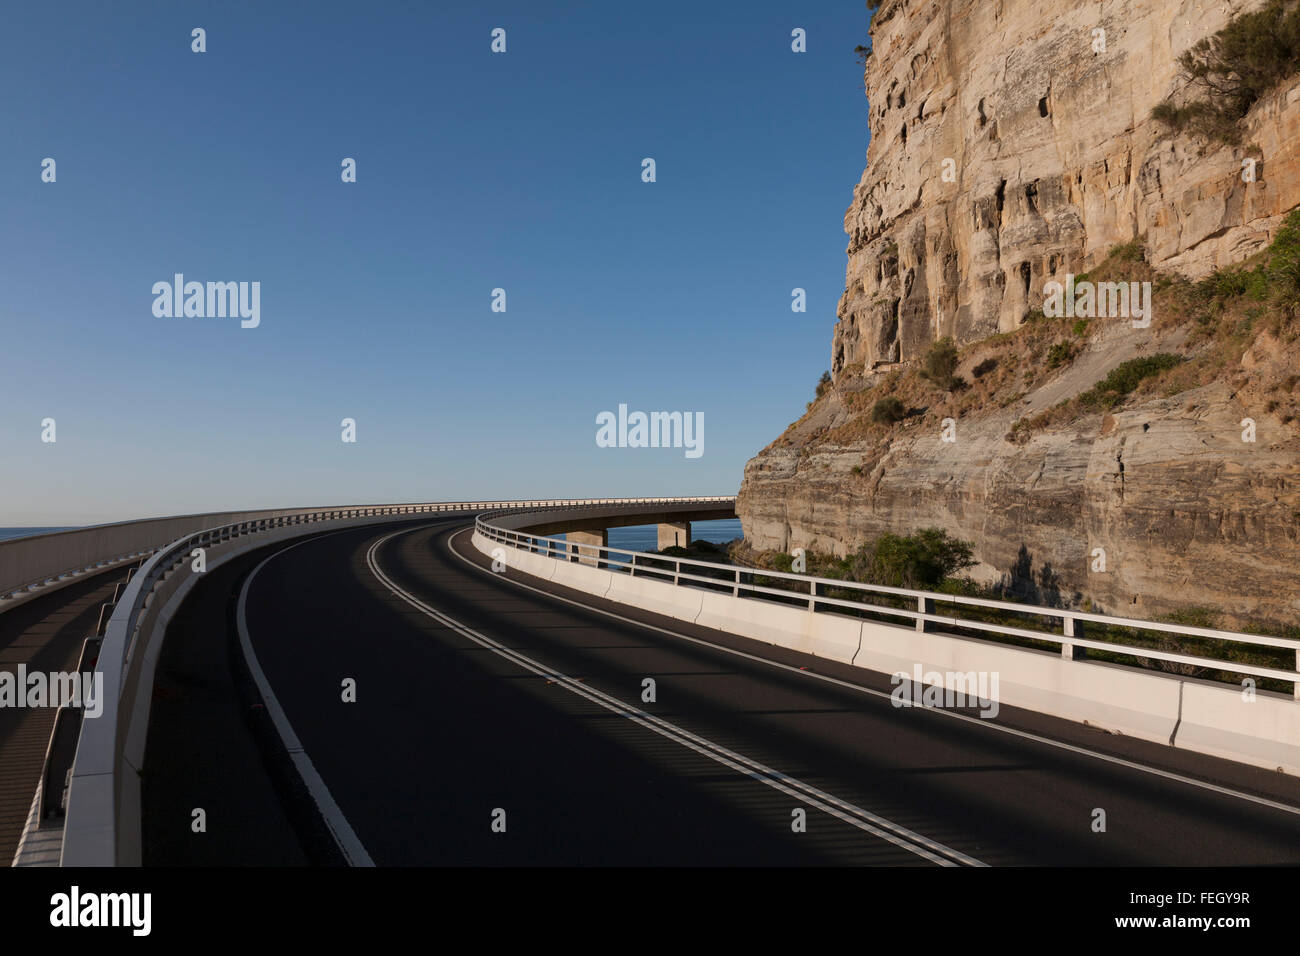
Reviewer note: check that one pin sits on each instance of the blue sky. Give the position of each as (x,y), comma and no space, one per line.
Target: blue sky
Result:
(475,171)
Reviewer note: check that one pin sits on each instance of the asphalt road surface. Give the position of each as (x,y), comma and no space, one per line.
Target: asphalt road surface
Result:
(450,715)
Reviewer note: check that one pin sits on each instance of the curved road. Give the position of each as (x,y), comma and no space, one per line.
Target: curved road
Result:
(487,700)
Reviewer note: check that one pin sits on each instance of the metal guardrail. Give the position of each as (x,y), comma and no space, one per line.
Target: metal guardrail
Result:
(178,552)
(42,580)
(740,581)
(38,562)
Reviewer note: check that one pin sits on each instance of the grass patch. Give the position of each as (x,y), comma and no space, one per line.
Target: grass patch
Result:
(1124,378)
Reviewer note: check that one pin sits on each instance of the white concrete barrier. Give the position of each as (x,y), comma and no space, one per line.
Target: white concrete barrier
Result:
(1191,714)
(821,635)
(661,597)
(537,565)
(1220,720)
(1139,703)
(581,577)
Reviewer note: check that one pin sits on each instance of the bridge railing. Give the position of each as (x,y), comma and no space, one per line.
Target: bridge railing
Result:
(37,563)
(977,617)
(102,825)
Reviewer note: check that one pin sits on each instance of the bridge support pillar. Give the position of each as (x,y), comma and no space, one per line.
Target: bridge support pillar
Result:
(588,555)
(674,533)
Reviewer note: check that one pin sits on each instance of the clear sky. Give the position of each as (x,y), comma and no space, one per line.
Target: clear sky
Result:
(520,170)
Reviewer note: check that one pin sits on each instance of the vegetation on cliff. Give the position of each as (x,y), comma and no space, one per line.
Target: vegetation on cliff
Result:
(1225,314)
(1217,320)
(925,560)
(1227,73)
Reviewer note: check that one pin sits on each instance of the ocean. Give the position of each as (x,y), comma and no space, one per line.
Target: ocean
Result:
(645,537)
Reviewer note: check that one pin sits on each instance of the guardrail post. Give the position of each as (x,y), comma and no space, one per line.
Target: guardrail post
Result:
(735,587)
(812,597)
(1073,628)
(677,570)
(926,606)
(1297,667)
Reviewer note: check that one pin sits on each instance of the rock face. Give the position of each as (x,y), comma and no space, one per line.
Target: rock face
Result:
(1161,491)
(1011,143)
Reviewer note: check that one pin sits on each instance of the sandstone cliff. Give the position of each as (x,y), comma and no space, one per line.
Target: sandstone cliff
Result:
(1011,143)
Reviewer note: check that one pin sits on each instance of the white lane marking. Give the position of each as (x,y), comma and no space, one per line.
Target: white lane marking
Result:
(978,721)
(872,823)
(348,843)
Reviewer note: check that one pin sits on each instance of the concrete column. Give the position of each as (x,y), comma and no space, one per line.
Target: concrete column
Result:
(586,556)
(675,533)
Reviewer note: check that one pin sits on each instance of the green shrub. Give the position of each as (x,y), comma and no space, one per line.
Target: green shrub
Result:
(1080,327)
(1234,68)
(823,384)
(1166,112)
(1257,286)
(940,363)
(1128,252)
(1125,377)
(921,561)
(887,411)
(1224,284)
(1059,354)
(1284,262)
(1198,117)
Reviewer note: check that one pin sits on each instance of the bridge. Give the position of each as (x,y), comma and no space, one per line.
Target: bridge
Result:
(492,682)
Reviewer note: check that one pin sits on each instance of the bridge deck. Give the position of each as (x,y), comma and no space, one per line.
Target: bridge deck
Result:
(445,729)
(46,634)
